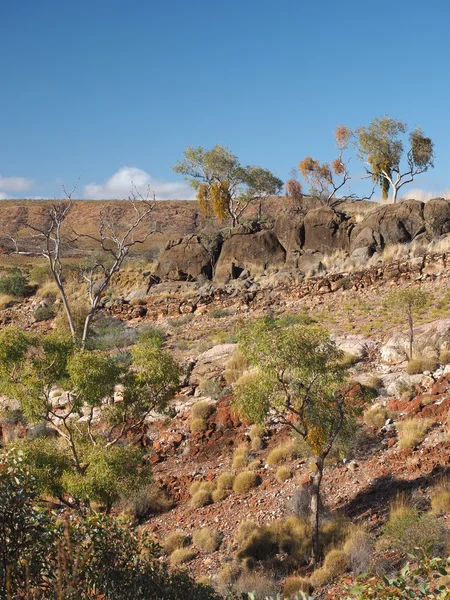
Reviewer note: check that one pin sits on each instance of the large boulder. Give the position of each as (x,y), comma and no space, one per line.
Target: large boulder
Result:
(326,230)
(437,217)
(288,228)
(429,340)
(250,249)
(190,258)
(390,224)
(211,363)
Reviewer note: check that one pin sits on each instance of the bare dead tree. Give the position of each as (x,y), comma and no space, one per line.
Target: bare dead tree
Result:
(114,242)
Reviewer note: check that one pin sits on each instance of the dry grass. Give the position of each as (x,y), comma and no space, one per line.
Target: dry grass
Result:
(440,498)
(285,452)
(198,425)
(182,556)
(240,457)
(444,357)
(206,539)
(294,585)
(175,541)
(283,474)
(375,416)
(219,494)
(235,367)
(5,301)
(412,431)
(245,529)
(419,365)
(245,481)
(225,481)
(359,548)
(255,434)
(228,575)
(48,290)
(201,410)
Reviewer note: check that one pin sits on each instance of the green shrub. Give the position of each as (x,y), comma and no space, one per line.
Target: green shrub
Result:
(181,321)
(44,313)
(419,365)
(206,539)
(153,335)
(245,481)
(219,313)
(14,283)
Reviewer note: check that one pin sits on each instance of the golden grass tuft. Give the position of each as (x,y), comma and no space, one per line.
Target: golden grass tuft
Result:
(283,474)
(198,425)
(412,431)
(5,301)
(182,556)
(235,367)
(294,585)
(416,366)
(240,457)
(206,539)
(245,481)
(375,416)
(202,410)
(256,432)
(225,481)
(440,498)
(175,541)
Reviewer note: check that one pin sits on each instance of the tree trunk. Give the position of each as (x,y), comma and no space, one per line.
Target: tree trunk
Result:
(394,194)
(411,334)
(315,511)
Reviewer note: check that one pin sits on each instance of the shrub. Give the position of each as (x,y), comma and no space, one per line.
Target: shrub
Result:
(201,498)
(41,274)
(254,465)
(48,290)
(149,501)
(336,562)
(180,321)
(182,556)
(198,425)
(359,548)
(257,584)
(202,410)
(255,434)
(219,313)
(213,389)
(219,494)
(294,585)
(235,367)
(320,577)
(240,457)
(245,481)
(375,416)
(286,452)
(412,431)
(440,498)
(206,539)
(245,529)
(175,541)
(407,530)
(225,481)
(153,335)
(419,365)
(228,575)
(44,313)
(348,360)
(283,474)
(13,284)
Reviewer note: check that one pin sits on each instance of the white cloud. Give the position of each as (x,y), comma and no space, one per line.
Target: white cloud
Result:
(118,186)
(15,184)
(3,196)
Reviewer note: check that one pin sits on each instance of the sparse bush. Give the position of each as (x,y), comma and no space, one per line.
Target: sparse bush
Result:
(440,498)
(294,585)
(240,457)
(175,541)
(181,321)
(348,360)
(49,290)
(375,382)
(44,313)
(236,367)
(228,575)
(375,416)
(149,501)
(407,530)
(206,539)
(320,577)
(256,583)
(283,474)
(286,451)
(219,313)
(41,274)
(245,529)
(182,556)
(412,431)
(211,388)
(359,547)
(13,284)
(419,365)
(245,481)
(225,481)
(153,335)
(336,562)
(202,410)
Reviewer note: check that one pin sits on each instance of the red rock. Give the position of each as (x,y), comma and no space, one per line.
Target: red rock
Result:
(391,442)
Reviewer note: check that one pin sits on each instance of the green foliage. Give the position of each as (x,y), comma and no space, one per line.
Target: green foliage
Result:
(78,558)
(407,302)
(14,283)
(422,579)
(44,313)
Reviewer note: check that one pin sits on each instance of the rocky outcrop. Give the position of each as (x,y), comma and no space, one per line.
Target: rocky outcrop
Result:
(188,258)
(429,341)
(391,224)
(437,217)
(249,249)
(326,230)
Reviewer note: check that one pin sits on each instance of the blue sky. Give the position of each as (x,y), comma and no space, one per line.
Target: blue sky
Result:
(107,91)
